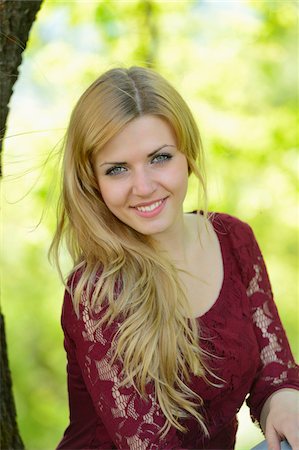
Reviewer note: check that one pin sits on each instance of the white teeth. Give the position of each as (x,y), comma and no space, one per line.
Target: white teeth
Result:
(149,207)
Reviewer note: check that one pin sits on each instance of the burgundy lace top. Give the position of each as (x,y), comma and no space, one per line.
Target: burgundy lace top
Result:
(242,330)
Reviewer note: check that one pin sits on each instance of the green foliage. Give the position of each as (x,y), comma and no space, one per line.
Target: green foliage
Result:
(235,64)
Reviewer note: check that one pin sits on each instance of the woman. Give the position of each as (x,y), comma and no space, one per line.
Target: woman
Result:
(169,319)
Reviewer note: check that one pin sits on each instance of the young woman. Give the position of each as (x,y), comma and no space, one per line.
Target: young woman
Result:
(168,318)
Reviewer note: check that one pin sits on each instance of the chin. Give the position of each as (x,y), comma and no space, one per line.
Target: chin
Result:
(151,231)
(147,229)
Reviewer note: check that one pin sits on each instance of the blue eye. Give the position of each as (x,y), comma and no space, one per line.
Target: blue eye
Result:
(115,170)
(161,158)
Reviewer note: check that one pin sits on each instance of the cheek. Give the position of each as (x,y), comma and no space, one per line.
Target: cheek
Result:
(178,177)
(112,194)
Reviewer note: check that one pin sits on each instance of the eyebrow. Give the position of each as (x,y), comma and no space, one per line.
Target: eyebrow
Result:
(149,156)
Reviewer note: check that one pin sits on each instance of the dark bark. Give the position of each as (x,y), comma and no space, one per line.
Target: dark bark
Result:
(16,19)
(10,437)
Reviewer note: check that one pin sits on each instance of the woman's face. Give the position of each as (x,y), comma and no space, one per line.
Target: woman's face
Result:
(143,177)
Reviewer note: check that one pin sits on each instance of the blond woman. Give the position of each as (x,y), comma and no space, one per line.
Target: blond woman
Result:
(169,319)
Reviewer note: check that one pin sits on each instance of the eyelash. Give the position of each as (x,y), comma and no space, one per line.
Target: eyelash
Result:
(165,156)
(117,170)
(114,170)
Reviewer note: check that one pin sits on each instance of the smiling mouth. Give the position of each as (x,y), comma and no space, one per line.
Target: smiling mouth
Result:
(151,207)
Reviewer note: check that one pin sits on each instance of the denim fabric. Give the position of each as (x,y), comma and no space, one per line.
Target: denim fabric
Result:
(263,446)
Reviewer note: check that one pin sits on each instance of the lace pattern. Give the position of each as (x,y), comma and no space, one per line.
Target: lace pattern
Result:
(269,352)
(254,286)
(124,405)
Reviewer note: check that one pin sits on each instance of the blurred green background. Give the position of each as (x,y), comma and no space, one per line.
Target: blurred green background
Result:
(235,63)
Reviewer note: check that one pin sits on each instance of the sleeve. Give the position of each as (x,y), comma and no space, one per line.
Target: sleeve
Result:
(104,413)
(277,368)
(85,430)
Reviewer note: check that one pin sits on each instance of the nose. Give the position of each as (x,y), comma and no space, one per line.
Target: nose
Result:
(143,183)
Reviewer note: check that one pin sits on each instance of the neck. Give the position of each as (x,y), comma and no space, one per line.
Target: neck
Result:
(178,241)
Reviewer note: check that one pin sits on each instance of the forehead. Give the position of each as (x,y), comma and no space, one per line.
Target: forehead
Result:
(143,134)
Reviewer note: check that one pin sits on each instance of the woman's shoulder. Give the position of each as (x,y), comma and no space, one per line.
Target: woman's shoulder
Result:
(80,315)
(238,231)
(73,280)
(238,240)
(228,228)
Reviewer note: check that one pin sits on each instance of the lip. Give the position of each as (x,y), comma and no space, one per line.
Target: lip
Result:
(154,212)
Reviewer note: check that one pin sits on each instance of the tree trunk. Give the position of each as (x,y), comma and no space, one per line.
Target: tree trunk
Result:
(16,19)
(10,437)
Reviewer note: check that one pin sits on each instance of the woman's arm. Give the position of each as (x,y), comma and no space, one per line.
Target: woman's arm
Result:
(273,398)
(274,395)
(280,418)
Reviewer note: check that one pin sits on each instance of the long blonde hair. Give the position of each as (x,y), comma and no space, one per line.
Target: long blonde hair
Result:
(156,342)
